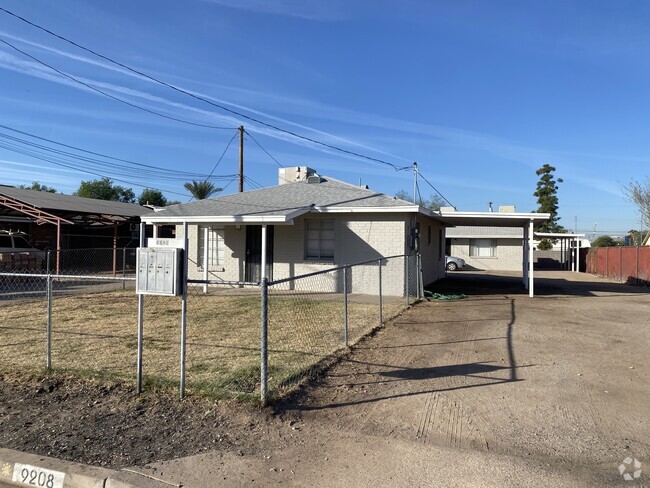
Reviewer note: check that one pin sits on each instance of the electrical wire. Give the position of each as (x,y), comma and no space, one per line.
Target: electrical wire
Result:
(434,188)
(203,99)
(116,167)
(262,148)
(94,153)
(222,155)
(113,97)
(253,183)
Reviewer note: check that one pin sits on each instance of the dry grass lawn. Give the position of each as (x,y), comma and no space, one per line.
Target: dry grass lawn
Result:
(96,334)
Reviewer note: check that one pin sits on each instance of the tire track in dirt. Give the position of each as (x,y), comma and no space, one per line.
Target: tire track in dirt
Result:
(447,420)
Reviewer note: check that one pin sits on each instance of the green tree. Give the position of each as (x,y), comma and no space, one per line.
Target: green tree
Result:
(149,196)
(434,202)
(38,187)
(604,241)
(104,189)
(201,189)
(547,200)
(637,237)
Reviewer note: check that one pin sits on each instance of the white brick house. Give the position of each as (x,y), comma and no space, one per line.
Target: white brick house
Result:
(487,248)
(312,224)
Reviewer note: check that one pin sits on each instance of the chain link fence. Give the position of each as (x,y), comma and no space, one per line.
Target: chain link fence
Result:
(310,318)
(73,320)
(83,320)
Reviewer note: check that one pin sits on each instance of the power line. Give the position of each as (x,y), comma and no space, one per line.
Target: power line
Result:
(435,189)
(113,97)
(147,170)
(260,146)
(203,99)
(222,155)
(253,183)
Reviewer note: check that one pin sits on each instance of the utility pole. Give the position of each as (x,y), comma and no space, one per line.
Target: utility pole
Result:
(241,158)
(415,181)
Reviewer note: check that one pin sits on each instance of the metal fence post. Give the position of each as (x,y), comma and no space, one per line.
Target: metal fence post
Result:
(123,268)
(140,317)
(186,249)
(408,281)
(49,321)
(419,274)
(381,319)
(345,306)
(264,336)
(637,266)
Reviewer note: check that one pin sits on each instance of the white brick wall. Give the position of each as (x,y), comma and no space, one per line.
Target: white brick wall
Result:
(509,255)
(358,237)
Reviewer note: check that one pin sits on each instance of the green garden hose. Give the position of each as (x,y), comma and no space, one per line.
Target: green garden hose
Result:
(439,296)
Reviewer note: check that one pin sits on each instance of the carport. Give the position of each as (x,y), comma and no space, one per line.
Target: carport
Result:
(527,221)
(21,206)
(569,244)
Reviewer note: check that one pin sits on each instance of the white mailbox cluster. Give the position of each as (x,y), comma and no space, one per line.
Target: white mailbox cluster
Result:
(159,271)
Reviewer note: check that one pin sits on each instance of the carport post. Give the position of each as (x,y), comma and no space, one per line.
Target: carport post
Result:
(531,279)
(206,254)
(114,248)
(263,258)
(525,253)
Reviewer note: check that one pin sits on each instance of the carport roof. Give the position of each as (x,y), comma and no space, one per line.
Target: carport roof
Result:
(493,219)
(18,202)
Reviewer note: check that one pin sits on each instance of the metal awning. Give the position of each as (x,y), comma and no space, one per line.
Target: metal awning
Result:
(569,244)
(527,221)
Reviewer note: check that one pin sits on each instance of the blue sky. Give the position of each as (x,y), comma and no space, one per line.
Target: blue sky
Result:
(479,93)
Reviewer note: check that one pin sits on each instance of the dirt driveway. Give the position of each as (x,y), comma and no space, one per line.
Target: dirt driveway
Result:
(494,390)
(561,378)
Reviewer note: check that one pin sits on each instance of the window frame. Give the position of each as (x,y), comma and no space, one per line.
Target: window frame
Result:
(216,252)
(316,225)
(474,247)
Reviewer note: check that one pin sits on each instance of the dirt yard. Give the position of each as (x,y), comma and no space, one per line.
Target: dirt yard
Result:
(555,387)
(94,334)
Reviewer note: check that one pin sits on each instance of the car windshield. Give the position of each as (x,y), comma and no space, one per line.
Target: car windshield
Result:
(21,243)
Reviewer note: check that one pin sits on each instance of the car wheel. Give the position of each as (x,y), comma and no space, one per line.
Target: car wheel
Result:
(451,266)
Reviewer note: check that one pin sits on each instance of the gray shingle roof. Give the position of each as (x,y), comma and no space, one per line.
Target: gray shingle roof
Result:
(72,204)
(472,232)
(283,201)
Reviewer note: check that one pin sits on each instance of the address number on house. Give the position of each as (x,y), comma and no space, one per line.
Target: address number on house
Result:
(28,475)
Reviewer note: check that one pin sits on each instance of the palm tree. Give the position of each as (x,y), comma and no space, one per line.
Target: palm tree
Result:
(201,189)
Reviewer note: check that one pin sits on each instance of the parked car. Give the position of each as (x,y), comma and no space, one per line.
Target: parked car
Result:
(453,263)
(17,254)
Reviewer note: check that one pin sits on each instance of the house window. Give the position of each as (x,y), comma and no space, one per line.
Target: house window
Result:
(215,247)
(483,248)
(319,239)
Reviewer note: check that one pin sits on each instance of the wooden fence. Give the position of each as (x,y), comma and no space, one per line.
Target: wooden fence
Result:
(629,264)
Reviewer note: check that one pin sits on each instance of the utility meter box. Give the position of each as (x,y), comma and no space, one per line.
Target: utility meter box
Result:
(159,271)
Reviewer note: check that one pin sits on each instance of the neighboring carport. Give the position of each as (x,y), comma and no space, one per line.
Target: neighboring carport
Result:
(569,245)
(20,206)
(527,221)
